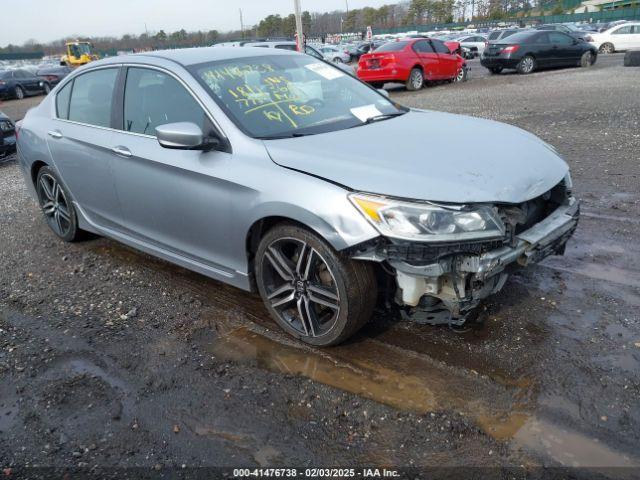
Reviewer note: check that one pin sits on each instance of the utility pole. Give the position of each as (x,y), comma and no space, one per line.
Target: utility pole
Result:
(241,24)
(299,32)
(347,4)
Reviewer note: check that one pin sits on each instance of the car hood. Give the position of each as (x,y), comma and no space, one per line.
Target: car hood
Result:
(428,155)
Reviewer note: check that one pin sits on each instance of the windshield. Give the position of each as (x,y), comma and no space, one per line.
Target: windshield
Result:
(290,95)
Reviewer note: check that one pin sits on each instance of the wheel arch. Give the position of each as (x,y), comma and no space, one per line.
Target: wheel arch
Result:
(35,168)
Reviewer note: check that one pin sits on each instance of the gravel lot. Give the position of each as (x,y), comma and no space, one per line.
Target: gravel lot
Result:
(111,358)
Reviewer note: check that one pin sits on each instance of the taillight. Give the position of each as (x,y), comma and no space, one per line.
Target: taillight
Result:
(511,49)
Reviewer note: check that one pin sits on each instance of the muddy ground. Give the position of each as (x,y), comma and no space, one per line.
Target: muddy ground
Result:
(109,357)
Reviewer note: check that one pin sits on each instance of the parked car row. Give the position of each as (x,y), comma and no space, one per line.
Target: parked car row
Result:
(21,83)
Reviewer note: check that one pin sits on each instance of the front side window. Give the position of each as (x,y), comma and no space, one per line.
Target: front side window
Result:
(153,98)
(623,30)
(440,47)
(560,38)
(289,95)
(62,101)
(91,97)
(313,52)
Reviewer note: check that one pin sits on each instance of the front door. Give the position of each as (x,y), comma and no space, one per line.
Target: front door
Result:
(177,200)
(80,141)
(447,60)
(428,59)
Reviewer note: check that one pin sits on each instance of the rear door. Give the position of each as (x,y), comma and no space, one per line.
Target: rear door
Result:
(80,141)
(177,200)
(428,59)
(634,41)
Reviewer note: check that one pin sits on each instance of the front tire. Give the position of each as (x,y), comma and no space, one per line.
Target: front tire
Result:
(462,75)
(313,292)
(607,48)
(495,70)
(338,60)
(587,59)
(46,88)
(526,65)
(415,80)
(56,205)
(19,92)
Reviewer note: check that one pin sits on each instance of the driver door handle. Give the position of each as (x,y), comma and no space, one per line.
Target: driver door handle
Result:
(54,134)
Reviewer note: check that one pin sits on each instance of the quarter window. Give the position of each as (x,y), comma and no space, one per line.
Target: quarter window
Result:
(153,98)
(560,38)
(62,101)
(91,97)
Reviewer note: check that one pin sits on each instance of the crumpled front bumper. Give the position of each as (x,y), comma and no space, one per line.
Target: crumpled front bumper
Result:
(461,280)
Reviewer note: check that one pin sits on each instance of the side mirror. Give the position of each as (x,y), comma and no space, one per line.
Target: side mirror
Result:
(184,136)
(383,92)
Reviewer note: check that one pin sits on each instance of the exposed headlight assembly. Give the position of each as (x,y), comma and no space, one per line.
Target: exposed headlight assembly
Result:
(428,222)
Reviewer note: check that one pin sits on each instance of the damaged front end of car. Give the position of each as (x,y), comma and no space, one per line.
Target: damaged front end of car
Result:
(446,259)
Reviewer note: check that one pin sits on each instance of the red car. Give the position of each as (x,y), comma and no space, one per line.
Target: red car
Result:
(412,61)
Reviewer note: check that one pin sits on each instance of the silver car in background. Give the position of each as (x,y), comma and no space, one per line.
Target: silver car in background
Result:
(278,173)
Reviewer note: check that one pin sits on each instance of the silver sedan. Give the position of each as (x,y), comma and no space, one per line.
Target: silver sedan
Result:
(278,173)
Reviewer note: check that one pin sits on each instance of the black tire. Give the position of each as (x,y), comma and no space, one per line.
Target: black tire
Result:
(526,65)
(46,88)
(632,58)
(587,59)
(56,206)
(338,60)
(415,80)
(462,76)
(18,92)
(284,254)
(495,70)
(607,48)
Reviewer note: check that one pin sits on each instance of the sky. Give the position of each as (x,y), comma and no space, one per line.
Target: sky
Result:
(46,20)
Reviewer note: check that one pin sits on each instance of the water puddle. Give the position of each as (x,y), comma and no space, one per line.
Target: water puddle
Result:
(412,382)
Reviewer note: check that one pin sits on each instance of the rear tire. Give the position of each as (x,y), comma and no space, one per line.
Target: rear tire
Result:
(415,80)
(607,48)
(526,65)
(56,206)
(314,293)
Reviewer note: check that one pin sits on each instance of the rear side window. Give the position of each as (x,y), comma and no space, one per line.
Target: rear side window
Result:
(62,101)
(493,36)
(392,47)
(286,47)
(153,98)
(440,46)
(91,97)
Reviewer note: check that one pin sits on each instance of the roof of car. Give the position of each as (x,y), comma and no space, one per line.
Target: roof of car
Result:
(194,56)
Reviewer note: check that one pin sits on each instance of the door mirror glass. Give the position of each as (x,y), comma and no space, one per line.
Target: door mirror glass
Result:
(181,136)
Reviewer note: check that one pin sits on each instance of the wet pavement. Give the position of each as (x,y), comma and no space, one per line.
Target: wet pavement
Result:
(111,357)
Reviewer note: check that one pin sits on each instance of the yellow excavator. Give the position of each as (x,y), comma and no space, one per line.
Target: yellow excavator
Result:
(78,53)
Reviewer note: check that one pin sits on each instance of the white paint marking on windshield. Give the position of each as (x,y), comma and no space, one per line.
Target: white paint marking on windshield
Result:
(365,112)
(324,70)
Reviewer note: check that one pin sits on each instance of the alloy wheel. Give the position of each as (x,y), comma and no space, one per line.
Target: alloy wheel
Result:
(300,287)
(416,79)
(19,93)
(527,64)
(54,205)
(460,75)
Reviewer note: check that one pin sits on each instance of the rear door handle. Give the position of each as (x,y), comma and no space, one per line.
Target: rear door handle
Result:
(54,134)
(122,151)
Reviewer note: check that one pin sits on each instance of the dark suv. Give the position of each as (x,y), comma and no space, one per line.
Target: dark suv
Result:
(7,135)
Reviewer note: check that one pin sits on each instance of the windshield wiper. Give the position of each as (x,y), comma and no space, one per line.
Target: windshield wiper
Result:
(384,116)
(288,135)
